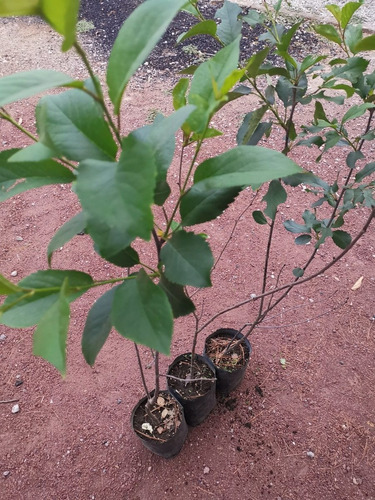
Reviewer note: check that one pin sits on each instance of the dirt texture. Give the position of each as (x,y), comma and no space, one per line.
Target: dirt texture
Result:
(302,423)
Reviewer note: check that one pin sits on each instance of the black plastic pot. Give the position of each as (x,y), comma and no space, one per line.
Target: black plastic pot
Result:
(227,380)
(171,447)
(196,407)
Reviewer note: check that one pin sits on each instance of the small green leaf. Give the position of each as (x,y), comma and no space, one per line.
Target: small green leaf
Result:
(141,312)
(304,239)
(127,257)
(66,232)
(259,217)
(341,238)
(179,93)
(180,302)
(294,227)
(98,326)
(356,111)
(29,83)
(187,259)
(366,171)
(49,340)
(33,153)
(298,272)
(335,11)
(353,35)
(347,12)
(7,287)
(275,195)
(255,61)
(138,36)
(253,17)
(230,27)
(353,157)
(249,125)
(207,27)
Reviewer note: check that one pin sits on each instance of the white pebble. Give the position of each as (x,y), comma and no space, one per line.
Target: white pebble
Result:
(15,408)
(206,470)
(310,454)
(19,238)
(13,273)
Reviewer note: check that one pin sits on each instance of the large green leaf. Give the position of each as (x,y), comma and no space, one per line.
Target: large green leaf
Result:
(17,177)
(207,27)
(179,301)
(72,123)
(28,83)
(45,287)
(138,36)
(329,32)
(117,197)
(201,205)
(243,166)
(62,15)
(347,12)
(98,326)
(187,259)
(230,27)
(367,43)
(50,336)
(141,312)
(66,232)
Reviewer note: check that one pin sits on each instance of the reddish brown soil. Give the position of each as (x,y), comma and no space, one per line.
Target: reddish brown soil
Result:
(302,430)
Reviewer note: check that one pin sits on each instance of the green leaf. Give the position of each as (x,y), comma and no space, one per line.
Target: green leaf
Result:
(304,239)
(72,123)
(353,157)
(201,205)
(353,35)
(253,17)
(367,43)
(179,93)
(19,8)
(356,111)
(207,27)
(293,227)
(138,36)
(18,177)
(98,326)
(33,153)
(367,170)
(259,217)
(7,287)
(328,31)
(287,91)
(310,61)
(29,83)
(66,232)
(255,62)
(243,166)
(49,340)
(347,12)
(335,11)
(141,312)
(62,15)
(117,197)
(341,238)
(187,259)
(127,257)
(179,301)
(249,125)
(230,27)
(45,289)
(214,71)
(298,272)
(275,195)
(160,137)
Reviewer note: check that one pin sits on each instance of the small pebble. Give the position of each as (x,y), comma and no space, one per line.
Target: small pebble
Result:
(15,408)
(206,470)
(357,481)
(3,336)
(310,454)
(149,468)
(13,273)
(6,473)
(19,238)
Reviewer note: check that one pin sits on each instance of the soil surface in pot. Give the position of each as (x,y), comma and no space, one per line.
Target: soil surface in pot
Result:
(159,422)
(182,370)
(235,358)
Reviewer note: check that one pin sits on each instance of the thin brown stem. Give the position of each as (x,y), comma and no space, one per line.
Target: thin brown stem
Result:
(142,372)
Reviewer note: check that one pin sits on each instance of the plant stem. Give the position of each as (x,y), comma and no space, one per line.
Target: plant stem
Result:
(154,398)
(6,116)
(142,372)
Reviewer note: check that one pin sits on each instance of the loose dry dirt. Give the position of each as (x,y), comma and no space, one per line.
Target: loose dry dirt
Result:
(304,429)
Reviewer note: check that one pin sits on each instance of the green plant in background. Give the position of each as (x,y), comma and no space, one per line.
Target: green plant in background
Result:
(283,89)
